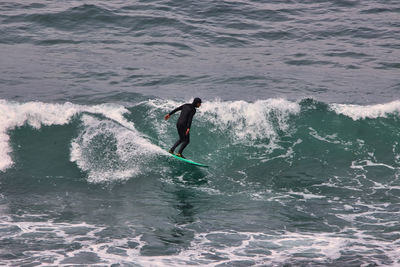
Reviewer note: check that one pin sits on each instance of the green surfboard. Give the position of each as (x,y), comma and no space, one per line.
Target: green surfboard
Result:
(188,161)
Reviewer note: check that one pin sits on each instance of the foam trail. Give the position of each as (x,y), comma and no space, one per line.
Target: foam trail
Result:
(36,114)
(357,112)
(127,152)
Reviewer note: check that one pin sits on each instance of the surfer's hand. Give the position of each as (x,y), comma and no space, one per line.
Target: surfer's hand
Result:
(167,117)
(187,131)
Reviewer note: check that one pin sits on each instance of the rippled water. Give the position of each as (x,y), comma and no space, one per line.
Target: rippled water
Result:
(336,51)
(299,125)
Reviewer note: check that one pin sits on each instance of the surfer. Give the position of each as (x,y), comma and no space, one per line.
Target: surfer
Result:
(183,124)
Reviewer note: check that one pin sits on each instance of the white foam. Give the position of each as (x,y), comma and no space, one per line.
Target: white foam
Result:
(261,249)
(306,195)
(368,163)
(206,249)
(348,207)
(251,120)
(331,138)
(64,233)
(357,112)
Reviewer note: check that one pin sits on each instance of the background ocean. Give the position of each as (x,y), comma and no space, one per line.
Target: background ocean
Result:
(299,124)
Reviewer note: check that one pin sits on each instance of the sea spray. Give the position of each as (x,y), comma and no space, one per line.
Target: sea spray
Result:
(110,152)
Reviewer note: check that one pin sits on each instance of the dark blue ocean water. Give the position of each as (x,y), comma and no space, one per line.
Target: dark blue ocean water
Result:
(299,125)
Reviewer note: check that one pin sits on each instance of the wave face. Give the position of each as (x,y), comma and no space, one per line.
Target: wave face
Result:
(263,129)
(289,183)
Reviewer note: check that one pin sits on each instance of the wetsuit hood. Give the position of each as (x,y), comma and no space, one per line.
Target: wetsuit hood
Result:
(196,101)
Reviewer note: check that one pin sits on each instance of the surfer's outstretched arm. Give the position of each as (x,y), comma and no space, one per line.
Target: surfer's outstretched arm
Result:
(166,117)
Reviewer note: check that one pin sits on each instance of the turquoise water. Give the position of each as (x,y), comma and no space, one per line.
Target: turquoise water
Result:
(299,126)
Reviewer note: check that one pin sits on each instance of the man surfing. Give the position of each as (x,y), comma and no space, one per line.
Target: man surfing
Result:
(183,124)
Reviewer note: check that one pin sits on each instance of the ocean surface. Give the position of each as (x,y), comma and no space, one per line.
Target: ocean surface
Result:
(299,126)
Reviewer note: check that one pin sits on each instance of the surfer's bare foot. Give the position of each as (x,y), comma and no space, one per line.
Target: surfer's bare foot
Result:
(180,155)
(171,151)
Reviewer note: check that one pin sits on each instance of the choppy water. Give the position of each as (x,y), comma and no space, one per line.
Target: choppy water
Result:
(300,126)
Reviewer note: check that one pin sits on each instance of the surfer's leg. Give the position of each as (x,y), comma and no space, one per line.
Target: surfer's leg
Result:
(185,142)
(175,145)
(181,133)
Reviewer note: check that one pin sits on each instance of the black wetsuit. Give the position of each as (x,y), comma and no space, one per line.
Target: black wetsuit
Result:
(184,122)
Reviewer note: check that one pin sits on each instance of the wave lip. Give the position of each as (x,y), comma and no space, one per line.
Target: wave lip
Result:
(34,114)
(357,112)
